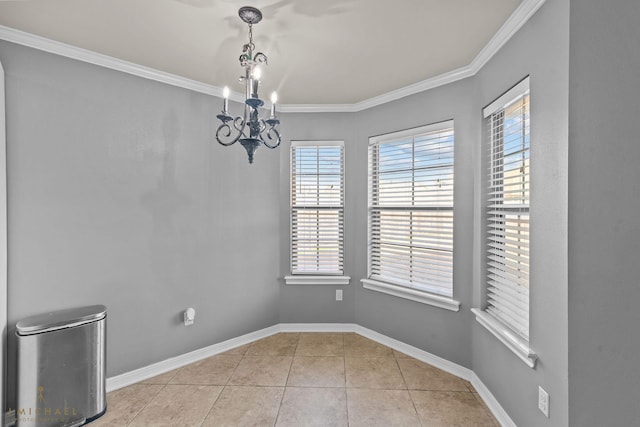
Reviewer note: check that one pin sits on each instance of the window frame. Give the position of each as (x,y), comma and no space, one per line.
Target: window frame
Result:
(316,277)
(390,287)
(504,332)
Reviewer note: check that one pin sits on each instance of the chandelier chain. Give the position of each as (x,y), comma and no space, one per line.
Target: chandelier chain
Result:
(251,45)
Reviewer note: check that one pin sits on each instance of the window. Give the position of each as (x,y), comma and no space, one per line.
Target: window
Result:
(411,214)
(317,211)
(507,221)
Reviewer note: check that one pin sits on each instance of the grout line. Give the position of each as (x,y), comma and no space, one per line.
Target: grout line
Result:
(413,403)
(291,365)
(226,383)
(284,389)
(346,390)
(212,404)
(149,402)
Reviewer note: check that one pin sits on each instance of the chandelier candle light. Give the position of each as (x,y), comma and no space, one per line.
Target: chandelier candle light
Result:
(249,129)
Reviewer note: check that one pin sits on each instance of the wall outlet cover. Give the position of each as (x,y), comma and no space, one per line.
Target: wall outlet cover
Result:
(543,401)
(189,316)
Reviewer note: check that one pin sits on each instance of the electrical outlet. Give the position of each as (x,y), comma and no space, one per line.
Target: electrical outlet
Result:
(338,294)
(543,401)
(189,316)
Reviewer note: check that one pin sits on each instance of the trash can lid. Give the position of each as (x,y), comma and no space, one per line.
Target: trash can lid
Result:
(60,319)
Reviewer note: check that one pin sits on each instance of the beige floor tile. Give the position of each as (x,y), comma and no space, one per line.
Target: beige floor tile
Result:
(484,405)
(178,405)
(161,379)
(262,370)
(358,346)
(384,408)
(315,393)
(317,372)
(124,404)
(313,407)
(422,376)
(451,408)
(275,345)
(245,406)
(373,372)
(215,370)
(320,344)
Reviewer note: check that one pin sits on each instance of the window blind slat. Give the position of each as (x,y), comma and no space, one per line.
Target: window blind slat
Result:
(508,304)
(411,209)
(317,213)
(519,324)
(507,214)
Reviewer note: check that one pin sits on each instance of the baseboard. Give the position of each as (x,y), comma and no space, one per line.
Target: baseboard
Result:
(167,365)
(155,369)
(317,327)
(424,356)
(492,403)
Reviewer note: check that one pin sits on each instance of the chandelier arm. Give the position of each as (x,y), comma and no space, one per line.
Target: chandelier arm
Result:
(240,123)
(223,133)
(272,134)
(224,130)
(260,58)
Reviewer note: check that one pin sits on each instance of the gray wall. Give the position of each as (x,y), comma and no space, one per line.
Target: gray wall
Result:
(604,214)
(439,331)
(118,195)
(540,49)
(442,332)
(309,303)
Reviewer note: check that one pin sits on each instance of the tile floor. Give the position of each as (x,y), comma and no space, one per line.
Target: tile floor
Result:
(301,379)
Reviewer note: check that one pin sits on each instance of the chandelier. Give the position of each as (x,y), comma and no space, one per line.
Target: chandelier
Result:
(249,128)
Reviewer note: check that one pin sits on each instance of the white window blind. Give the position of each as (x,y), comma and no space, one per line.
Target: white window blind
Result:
(411,208)
(507,252)
(317,207)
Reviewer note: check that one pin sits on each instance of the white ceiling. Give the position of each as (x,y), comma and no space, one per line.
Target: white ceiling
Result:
(320,51)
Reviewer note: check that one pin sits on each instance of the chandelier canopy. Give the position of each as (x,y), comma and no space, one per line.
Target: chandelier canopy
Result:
(249,128)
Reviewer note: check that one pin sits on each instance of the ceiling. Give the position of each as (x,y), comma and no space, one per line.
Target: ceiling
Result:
(320,51)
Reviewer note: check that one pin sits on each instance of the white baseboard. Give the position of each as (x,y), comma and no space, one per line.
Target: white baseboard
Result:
(424,356)
(492,403)
(155,369)
(446,365)
(432,359)
(167,365)
(317,327)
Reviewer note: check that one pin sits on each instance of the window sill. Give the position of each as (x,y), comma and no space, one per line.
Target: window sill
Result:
(412,294)
(516,344)
(317,280)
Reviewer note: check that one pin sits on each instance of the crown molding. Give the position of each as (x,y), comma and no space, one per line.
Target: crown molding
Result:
(91,57)
(516,20)
(318,108)
(433,82)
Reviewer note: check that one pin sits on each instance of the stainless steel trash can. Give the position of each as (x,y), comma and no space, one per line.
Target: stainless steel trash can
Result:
(61,367)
